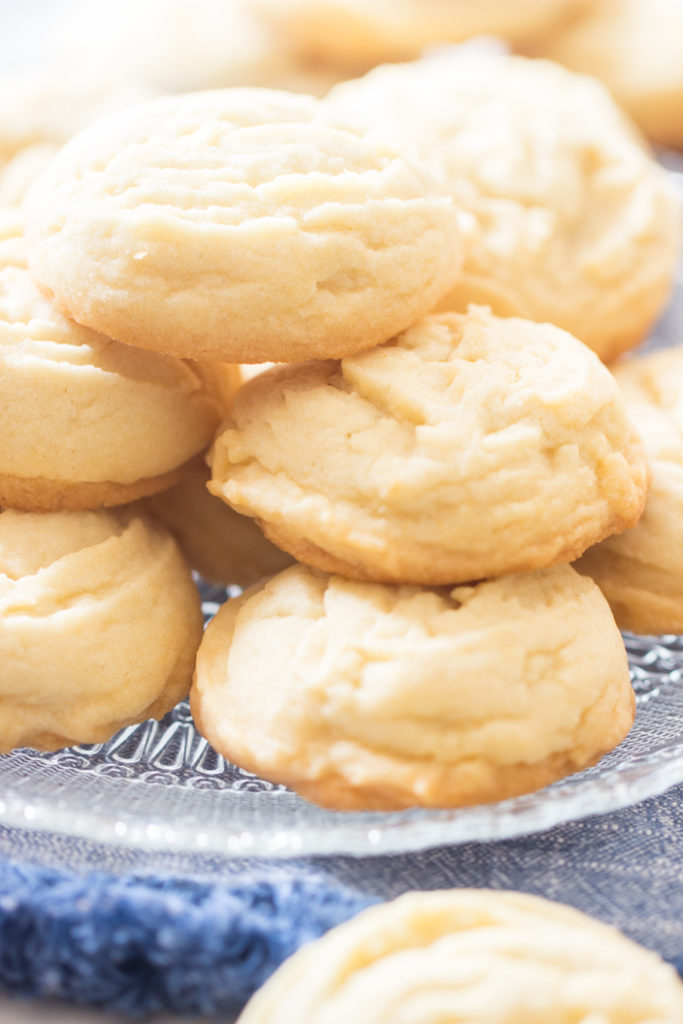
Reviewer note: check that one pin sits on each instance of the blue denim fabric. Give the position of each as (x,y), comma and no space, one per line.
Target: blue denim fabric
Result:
(199,935)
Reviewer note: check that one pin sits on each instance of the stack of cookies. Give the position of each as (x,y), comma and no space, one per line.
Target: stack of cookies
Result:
(435,450)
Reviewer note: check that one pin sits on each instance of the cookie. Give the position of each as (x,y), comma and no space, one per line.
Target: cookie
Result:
(99,625)
(641,572)
(85,421)
(469,446)
(364,696)
(18,174)
(566,219)
(636,48)
(52,106)
(179,45)
(360,33)
(470,955)
(222,545)
(242,225)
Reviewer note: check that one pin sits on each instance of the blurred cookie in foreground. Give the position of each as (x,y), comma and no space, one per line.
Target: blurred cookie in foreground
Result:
(223,546)
(566,217)
(365,696)
(84,420)
(470,955)
(641,572)
(99,625)
(360,33)
(469,446)
(247,225)
(636,48)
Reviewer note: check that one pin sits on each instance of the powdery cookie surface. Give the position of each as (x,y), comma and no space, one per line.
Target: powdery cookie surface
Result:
(99,624)
(222,545)
(360,33)
(363,696)
(636,48)
(469,446)
(242,225)
(641,572)
(470,955)
(86,421)
(566,217)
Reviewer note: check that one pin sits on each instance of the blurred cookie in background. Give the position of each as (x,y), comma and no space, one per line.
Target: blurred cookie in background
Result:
(223,546)
(185,45)
(636,48)
(641,571)
(357,34)
(566,218)
(41,110)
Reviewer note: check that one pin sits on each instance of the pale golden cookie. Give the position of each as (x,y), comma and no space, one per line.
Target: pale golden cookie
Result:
(471,955)
(86,421)
(566,218)
(18,174)
(469,446)
(363,696)
(241,225)
(99,624)
(52,106)
(180,45)
(636,48)
(220,544)
(641,572)
(360,33)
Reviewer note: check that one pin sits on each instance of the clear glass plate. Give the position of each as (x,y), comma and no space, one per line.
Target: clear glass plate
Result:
(158,786)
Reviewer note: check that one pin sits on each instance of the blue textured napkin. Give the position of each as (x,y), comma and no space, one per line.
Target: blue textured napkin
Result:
(200,936)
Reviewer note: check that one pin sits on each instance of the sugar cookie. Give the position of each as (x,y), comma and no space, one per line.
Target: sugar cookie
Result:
(222,545)
(52,106)
(360,33)
(363,696)
(641,572)
(242,225)
(99,624)
(636,48)
(179,45)
(469,446)
(85,421)
(566,217)
(470,955)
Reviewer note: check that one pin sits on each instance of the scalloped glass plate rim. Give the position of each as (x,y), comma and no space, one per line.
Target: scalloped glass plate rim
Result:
(390,832)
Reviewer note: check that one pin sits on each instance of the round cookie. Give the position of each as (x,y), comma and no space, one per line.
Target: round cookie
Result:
(180,45)
(470,955)
(469,446)
(641,572)
(363,696)
(52,106)
(223,546)
(360,33)
(636,48)
(566,217)
(18,174)
(99,625)
(85,421)
(242,225)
